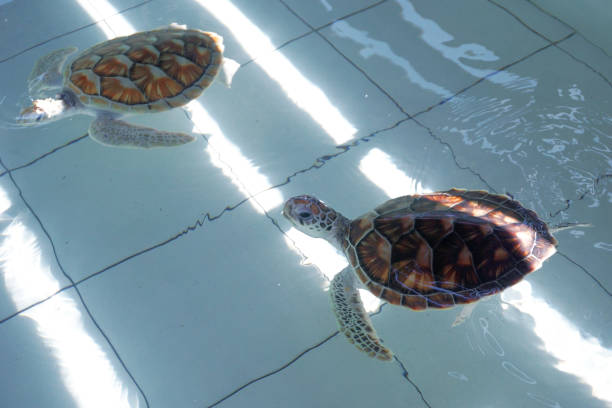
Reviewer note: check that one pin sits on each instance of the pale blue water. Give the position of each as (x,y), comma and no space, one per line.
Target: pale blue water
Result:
(168,277)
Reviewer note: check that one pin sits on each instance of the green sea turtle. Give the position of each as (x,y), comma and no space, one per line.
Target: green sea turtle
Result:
(424,251)
(146,72)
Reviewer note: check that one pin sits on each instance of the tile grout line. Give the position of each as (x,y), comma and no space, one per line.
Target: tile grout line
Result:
(55,149)
(586,272)
(271,373)
(312,28)
(555,43)
(317,31)
(602,76)
(497,71)
(78,292)
(381,89)
(524,24)
(567,25)
(304,352)
(10,57)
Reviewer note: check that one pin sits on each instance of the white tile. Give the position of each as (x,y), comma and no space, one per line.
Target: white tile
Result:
(101,204)
(283,119)
(422,162)
(589,54)
(591,18)
(321,12)
(24,25)
(211,310)
(28,268)
(347,379)
(424,53)
(537,19)
(57,358)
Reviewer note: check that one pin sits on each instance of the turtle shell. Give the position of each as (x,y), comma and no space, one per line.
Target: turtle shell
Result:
(446,248)
(146,72)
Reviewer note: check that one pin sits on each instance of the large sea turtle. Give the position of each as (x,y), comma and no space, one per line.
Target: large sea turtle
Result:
(149,71)
(424,251)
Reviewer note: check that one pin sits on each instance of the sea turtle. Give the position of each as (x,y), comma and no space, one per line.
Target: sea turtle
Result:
(149,71)
(424,251)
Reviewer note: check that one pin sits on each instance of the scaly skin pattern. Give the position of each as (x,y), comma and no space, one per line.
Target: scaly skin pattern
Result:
(113,132)
(353,319)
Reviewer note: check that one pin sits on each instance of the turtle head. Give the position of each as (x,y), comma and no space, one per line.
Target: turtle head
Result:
(312,217)
(43,110)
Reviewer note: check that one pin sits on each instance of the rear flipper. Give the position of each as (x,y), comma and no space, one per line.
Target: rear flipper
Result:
(227,71)
(352,317)
(466,312)
(112,132)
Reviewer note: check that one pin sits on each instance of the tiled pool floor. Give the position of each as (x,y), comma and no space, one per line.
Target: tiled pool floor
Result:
(168,277)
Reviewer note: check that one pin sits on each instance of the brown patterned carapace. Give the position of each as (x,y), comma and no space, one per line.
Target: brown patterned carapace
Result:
(446,248)
(154,70)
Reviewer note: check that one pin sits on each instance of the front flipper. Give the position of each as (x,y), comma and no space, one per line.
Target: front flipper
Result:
(352,317)
(46,75)
(113,132)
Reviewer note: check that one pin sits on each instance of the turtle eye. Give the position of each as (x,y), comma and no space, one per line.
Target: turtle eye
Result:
(304,215)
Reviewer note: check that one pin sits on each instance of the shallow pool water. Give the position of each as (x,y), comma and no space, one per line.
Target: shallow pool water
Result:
(169,278)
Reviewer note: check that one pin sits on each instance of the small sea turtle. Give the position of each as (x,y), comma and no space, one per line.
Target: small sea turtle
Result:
(424,251)
(149,71)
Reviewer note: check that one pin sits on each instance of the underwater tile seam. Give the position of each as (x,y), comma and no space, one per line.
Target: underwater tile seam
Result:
(10,57)
(574,31)
(76,289)
(271,373)
(527,26)
(357,67)
(565,24)
(306,351)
